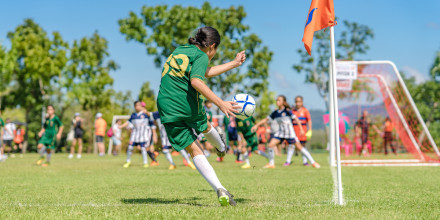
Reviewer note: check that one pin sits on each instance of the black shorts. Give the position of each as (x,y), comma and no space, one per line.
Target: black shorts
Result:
(233,136)
(7,143)
(388,136)
(78,134)
(364,138)
(99,139)
(303,143)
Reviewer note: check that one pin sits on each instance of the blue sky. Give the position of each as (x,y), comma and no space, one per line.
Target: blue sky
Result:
(406,32)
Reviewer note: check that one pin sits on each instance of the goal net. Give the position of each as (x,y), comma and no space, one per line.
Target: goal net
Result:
(377,87)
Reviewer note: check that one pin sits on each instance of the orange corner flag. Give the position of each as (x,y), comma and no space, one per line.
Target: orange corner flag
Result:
(321,15)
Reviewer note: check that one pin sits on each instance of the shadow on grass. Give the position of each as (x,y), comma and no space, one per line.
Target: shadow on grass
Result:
(186,201)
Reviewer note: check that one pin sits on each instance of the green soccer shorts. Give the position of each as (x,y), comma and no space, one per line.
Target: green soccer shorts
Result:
(48,142)
(181,134)
(252,141)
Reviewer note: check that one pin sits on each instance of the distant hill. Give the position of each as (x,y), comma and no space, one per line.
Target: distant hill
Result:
(317,121)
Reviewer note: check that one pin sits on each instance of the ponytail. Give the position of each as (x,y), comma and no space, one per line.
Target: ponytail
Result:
(285,104)
(205,37)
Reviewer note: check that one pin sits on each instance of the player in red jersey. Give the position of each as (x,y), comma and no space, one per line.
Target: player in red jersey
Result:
(303,115)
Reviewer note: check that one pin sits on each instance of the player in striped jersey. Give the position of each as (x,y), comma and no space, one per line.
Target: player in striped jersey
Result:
(286,132)
(141,133)
(303,115)
(166,145)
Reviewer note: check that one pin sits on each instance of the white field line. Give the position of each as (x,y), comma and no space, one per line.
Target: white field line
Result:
(383,161)
(394,165)
(335,186)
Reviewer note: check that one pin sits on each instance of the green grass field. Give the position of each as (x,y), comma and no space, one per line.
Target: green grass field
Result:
(98,188)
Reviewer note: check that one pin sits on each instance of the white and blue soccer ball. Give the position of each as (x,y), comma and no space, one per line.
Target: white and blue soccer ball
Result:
(247,104)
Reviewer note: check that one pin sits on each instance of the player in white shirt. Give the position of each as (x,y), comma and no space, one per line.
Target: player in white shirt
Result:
(116,137)
(8,135)
(286,132)
(141,133)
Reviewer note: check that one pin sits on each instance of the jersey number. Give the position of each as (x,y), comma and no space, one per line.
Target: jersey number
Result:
(176,65)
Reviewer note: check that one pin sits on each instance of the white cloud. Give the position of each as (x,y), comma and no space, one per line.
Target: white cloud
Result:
(433,25)
(280,80)
(420,77)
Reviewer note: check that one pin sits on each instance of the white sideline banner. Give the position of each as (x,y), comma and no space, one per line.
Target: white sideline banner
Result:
(344,85)
(345,71)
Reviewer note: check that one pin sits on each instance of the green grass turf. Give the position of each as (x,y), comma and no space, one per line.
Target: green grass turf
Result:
(98,188)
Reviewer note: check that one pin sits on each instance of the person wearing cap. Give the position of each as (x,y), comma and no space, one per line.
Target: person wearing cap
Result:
(78,136)
(100,127)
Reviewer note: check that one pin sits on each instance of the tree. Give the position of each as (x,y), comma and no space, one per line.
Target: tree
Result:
(162,29)
(352,42)
(147,95)
(6,66)
(38,61)
(90,70)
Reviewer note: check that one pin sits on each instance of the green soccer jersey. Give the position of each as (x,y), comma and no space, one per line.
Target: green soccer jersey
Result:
(2,123)
(245,126)
(51,126)
(177,99)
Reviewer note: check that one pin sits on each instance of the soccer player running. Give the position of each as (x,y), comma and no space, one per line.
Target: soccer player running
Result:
(303,115)
(150,148)
(364,123)
(8,136)
(244,128)
(180,105)
(51,131)
(166,145)
(286,132)
(234,141)
(141,133)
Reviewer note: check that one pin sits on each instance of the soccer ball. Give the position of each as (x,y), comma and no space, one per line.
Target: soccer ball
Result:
(247,104)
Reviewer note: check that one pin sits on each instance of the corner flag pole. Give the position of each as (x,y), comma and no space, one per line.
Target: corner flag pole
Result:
(335,118)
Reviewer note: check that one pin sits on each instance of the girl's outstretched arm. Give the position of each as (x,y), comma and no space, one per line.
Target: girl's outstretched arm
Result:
(217,70)
(225,107)
(256,126)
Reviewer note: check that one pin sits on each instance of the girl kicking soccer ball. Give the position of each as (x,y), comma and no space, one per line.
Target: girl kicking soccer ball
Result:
(283,116)
(181,107)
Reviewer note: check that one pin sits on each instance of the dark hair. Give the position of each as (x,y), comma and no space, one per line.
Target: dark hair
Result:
(387,119)
(300,98)
(117,120)
(50,106)
(207,101)
(136,102)
(286,105)
(205,37)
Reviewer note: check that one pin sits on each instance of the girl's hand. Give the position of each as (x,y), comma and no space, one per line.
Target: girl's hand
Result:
(254,129)
(58,136)
(40,134)
(228,108)
(240,58)
(301,132)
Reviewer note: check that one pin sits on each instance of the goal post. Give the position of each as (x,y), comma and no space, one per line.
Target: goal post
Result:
(379,87)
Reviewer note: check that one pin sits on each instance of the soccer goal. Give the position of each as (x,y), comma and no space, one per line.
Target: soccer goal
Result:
(378,88)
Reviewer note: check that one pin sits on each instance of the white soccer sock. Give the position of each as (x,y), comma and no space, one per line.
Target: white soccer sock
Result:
(206,170)
(271,152)
(246,157)
(185,155)
(307,154)
(168,156)
(290,152)
(49,156)
(262,153)
(42,151)
(129,153)
(214,138)
(304,157)
(144,155)
(241,156)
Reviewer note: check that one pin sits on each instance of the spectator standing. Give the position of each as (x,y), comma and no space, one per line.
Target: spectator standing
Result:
(78,136)
(19,139)
(116,137)
(100,127)
(8,136)
(364,123)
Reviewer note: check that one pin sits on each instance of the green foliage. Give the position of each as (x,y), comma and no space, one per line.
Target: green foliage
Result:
(161,29)
(352,42)
(147,95)
(38,61)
